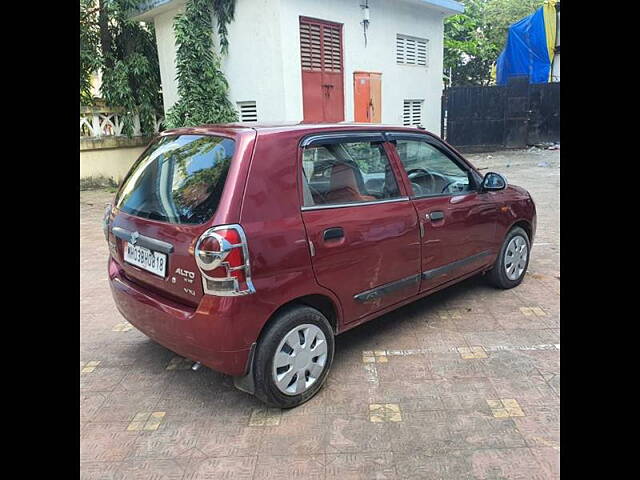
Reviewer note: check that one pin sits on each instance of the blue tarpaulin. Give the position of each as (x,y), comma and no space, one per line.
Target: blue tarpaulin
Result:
(526,51)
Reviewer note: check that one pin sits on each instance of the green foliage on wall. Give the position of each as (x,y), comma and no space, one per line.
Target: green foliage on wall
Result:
(202,86)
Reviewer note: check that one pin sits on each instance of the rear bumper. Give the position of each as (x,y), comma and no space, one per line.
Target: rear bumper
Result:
(204,334)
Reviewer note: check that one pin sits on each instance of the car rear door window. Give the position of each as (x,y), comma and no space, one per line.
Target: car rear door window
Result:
(345,173)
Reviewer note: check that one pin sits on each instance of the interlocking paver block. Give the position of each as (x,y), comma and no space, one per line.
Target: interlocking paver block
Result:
(385,412)
(122,327)
(450,314)
(505,407)
(89,366)
(468,353)
(530,311)
(154,421)
(479,352)
(379,356)
(138,421)
(265,417)
(512,407)
(146,421)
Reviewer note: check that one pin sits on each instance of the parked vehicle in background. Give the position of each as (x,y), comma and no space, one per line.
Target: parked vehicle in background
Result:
(248,249)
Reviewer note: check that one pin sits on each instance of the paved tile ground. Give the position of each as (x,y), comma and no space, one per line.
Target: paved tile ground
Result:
(464,384)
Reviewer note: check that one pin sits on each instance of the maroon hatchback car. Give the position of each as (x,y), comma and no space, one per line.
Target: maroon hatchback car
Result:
(247,249)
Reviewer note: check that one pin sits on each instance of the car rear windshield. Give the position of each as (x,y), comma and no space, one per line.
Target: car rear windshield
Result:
(179,179)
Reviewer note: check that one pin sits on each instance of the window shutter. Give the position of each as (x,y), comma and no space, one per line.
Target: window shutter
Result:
(331,48)
(310,49)
(411,50)
(412,113)
(248,111)
(320,46)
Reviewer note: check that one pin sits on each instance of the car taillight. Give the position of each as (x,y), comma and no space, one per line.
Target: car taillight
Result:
(222,256)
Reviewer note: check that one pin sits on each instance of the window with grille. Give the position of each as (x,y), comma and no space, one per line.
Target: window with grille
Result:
(320,46)
(412,112)
(248,111)
(411,50)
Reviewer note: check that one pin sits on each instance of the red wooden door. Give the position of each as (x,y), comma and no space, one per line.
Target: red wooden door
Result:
(322,75)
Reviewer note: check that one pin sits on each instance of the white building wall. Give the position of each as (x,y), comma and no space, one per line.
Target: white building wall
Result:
(253,66)
(166,42)
(263,63)
(387,18)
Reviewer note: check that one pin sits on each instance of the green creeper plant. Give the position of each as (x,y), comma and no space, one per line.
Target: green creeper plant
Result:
(202,86)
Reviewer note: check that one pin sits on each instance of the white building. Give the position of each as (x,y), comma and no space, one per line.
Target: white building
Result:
(295,60)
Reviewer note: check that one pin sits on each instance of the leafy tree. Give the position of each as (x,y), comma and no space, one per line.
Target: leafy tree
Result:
(125,51)
(89,51)
(131,74)
(503,13)
(474,39)
(202,86)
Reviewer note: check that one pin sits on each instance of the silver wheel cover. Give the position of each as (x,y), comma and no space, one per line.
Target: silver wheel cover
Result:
(515,257)
(300,359)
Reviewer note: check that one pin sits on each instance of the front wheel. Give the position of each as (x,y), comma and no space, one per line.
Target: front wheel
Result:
(293,357)
(513,260)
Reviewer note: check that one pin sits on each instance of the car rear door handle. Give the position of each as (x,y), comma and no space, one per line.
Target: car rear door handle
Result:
(333,233)
(435,216)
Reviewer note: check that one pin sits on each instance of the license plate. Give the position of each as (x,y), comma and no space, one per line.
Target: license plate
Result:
(154,262)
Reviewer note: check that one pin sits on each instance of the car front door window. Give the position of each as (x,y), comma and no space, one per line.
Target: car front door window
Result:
(430,171)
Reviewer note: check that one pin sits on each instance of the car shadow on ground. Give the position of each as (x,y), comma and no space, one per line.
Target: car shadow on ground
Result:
(376,330)
(208,389)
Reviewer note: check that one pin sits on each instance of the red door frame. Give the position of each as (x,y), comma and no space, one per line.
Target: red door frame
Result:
(317,103)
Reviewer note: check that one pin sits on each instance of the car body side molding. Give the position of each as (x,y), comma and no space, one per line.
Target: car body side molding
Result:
(375,293)
(436,272)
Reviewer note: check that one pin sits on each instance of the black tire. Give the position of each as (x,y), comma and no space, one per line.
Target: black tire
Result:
(497,276)
(265,387)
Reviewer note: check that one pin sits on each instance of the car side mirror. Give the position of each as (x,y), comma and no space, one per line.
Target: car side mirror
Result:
(493,182)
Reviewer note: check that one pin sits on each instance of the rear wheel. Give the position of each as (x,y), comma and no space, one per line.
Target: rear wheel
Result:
(513,260)
(293,357)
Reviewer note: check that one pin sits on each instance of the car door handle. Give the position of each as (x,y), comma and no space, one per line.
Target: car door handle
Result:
(435,216)
(333,233)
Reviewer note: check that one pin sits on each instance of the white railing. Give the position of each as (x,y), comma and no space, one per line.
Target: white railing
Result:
(104,122)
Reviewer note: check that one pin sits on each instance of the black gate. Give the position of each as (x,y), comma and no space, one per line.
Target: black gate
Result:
(511,116)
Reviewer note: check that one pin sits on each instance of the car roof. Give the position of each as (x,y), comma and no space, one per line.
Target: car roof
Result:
(281,127)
